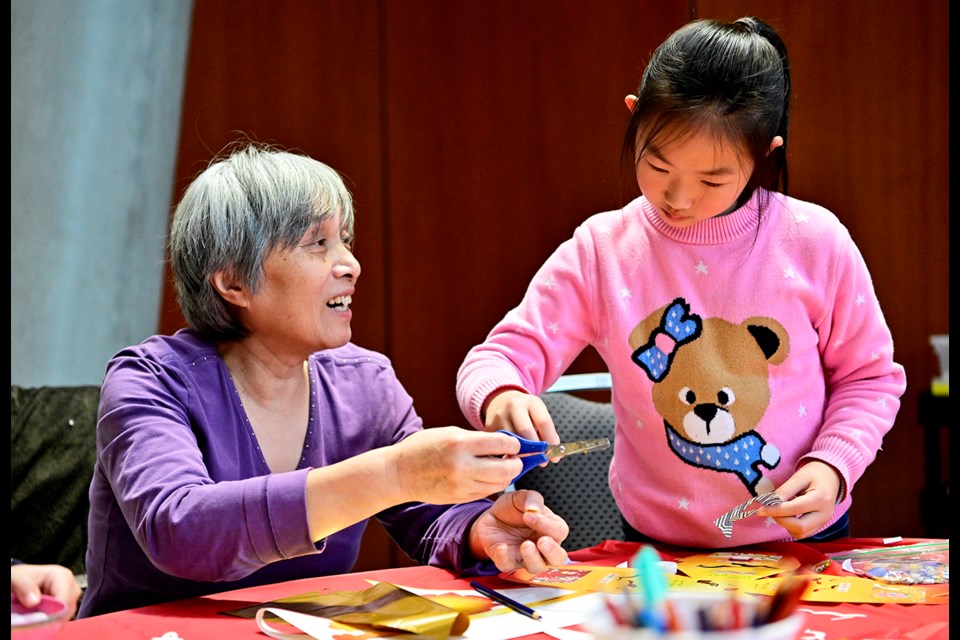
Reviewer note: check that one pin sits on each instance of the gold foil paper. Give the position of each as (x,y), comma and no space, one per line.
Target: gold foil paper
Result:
(383,606)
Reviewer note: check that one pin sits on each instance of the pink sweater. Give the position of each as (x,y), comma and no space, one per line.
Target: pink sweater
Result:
(736,354)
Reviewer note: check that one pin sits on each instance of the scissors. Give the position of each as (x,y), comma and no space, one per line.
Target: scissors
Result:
(533,453)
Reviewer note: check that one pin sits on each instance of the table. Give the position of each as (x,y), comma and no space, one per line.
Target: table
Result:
(200,618)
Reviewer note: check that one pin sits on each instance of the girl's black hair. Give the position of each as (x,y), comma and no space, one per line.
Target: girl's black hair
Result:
(732,78)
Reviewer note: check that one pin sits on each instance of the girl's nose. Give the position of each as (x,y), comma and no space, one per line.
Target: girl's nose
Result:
(678,197)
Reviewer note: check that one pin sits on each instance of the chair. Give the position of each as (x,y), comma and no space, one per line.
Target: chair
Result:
(53,449)
(578,489)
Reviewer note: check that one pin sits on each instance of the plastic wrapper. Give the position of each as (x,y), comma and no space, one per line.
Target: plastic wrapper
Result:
(916,564)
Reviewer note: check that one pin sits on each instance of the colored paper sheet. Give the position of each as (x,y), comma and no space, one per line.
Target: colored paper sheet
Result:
(382,607)
(748,508)
(736,565)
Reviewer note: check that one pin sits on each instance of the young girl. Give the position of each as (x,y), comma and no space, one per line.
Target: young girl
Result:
(740,326)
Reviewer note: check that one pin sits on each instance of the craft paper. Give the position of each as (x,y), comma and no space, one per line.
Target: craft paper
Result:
(581,578)
(559,608)
(830,588)
(725,522)
(381,607)
(730,565)
(704,573)
(313,626)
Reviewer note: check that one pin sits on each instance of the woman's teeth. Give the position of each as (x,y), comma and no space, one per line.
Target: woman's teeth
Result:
(340,302)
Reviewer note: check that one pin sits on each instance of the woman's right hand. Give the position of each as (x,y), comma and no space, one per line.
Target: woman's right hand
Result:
(523,413)
(440,465)
(446,465)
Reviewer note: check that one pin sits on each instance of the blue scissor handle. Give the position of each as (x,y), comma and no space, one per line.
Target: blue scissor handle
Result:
(536,447)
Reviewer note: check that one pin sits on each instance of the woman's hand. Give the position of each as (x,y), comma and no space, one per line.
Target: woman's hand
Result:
(446,465)
(523,413)
(439,465)
(29,581)
(519,531)
(809,499)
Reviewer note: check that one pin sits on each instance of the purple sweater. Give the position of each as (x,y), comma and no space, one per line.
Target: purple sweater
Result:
(182,502)
(737,352)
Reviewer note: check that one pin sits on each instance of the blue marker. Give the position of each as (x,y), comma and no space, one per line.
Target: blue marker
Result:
(654,584)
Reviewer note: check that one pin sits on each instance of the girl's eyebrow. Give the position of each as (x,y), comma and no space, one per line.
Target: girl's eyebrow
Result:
(719,171)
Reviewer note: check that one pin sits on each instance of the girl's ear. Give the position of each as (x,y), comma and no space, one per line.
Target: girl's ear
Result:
(776,142)
(631,100)
(230,288)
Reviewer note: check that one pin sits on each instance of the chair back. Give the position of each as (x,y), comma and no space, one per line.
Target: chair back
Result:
(578,488)
(53,448)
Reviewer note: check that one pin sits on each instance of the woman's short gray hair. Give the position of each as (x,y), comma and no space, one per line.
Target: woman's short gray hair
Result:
(242,207)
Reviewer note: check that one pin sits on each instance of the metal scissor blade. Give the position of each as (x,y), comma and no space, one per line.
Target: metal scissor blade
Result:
(578,446)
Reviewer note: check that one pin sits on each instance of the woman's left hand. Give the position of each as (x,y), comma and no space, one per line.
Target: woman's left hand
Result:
(519,531)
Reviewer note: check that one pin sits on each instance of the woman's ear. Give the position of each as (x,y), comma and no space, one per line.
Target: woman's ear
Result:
(230,288)
(776,142)
(630,100)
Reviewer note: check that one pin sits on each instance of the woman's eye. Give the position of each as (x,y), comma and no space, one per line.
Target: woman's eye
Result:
(656,168)
(712,184)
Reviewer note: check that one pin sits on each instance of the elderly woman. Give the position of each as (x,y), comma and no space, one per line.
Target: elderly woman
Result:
(254,446)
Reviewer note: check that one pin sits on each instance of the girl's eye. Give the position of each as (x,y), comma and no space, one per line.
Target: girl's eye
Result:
(712,184)
(656,168)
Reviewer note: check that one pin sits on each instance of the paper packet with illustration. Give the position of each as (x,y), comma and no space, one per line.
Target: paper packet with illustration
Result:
(921,563)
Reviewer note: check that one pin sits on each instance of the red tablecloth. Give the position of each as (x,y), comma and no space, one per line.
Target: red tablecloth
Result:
(201,618)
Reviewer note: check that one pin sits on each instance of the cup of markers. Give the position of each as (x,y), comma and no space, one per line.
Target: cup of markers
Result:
(693,614)
(657,612)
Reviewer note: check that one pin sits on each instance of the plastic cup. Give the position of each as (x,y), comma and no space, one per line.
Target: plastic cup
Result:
(687,607)
(37,623)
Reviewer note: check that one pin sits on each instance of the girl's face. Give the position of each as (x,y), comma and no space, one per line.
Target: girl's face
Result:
(692,178)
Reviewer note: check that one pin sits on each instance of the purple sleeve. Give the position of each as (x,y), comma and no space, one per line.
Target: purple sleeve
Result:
(430,534)
(189,524)
(436,535)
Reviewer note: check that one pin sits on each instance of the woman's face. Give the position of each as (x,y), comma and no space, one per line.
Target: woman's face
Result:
(304,299)
(693,178)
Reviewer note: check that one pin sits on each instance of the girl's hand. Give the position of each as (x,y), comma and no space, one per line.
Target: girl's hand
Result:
(523,413)
(809,499)
(518,531)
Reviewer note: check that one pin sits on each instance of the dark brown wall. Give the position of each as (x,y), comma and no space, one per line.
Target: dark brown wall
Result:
(476,136)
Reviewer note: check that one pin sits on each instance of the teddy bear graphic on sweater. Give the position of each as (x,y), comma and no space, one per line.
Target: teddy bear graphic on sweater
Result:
(711,387)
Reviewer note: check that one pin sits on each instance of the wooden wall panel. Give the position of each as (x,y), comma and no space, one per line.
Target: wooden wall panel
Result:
(869,133)
(505,126)
(476,136)
(305,75)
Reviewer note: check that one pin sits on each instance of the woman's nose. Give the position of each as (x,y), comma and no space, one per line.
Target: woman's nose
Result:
(348,265)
